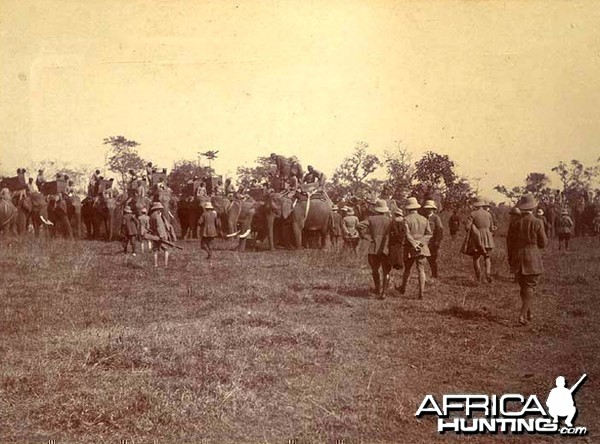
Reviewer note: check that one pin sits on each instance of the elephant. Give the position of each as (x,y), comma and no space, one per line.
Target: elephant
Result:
(189,210)
(98,214)
(236,217)
(58,215)
(32,209)
(8,213)
(311,214)
(314,215)
(65,214)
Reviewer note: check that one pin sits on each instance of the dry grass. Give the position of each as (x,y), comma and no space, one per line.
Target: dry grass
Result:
(267,346)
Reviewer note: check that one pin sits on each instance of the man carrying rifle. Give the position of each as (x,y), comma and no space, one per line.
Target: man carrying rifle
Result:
(161,233)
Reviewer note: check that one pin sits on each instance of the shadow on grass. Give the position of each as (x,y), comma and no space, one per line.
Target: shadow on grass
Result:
(469,315)
(462,281)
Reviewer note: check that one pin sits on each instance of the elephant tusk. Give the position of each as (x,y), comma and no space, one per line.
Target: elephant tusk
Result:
(245,235)
(47,222)
(171,214)
(233,234)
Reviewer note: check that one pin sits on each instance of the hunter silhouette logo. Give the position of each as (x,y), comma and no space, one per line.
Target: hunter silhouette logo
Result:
(560,401)
(508,413)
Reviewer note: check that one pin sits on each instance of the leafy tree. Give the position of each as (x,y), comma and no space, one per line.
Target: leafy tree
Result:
(183,171)
(399,169)
(434,172)
(536,183)
(260,173)
(123,156)
(435,178)
(577,180)
(459,194)
(351,175)
(513,194)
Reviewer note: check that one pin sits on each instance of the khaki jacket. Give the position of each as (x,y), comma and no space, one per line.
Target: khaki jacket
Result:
(378,227)
(528,237)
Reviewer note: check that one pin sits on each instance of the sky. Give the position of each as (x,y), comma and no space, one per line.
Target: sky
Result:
(503,88)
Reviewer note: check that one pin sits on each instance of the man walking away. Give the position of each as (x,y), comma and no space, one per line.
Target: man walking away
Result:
(130,230)
(528,237)
(209,228)
(483,222)
(159,229)
(144,224)
(349,231)
(564,228)
(397,240)
(437,234)
(378,227)
(454,223)
(416,248)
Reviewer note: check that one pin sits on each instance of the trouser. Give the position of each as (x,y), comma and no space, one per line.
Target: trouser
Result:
(206,245)
(487,263)
(129,240)
(527,282)
(433,262)
(408,263)
(377,261)
(351,243)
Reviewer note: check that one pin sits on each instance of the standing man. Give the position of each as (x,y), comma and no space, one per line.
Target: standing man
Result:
(30,188)
(130,230)
(378,226)
(93,184)
(528,237)
(540,215)
(159,232)
(39,180)
(481,224)
(397,240)
(229,188)
(563,229)
(416,248)
(349,229)
(144,225)
(454,223)
(209,228)
(437,234)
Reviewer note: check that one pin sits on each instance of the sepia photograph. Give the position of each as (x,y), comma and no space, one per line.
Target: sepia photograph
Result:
(287,221)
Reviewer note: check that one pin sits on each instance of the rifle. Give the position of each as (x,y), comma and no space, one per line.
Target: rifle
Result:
(166,242)
(576,385)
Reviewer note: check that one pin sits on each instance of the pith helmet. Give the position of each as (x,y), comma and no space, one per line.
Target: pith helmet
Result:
(527,202)
(412,204)
(381,206)
(480,203)
(127,209)
(208,206)
(429,204)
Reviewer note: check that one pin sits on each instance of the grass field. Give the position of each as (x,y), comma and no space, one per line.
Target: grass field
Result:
(266,347)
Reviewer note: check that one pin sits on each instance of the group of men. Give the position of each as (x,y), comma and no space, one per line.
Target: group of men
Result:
(24,186)
(151,226)
(399,241)
(396,241)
